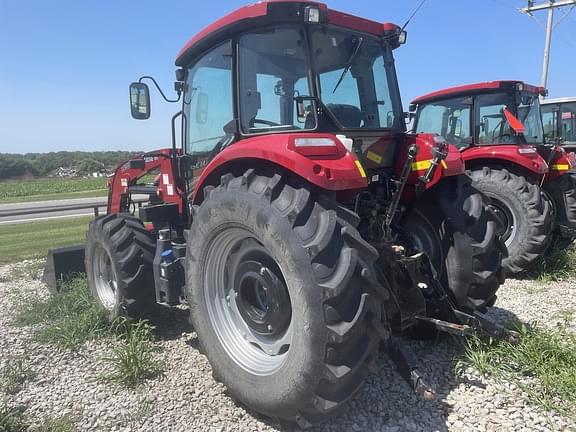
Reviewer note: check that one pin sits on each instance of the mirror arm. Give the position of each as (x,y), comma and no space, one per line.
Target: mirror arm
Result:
(159,89)
(173,122)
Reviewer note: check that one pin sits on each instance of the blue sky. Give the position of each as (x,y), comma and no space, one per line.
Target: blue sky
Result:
(65,65)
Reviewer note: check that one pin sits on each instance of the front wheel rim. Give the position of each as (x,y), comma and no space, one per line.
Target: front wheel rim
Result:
(105,279)
(247,301)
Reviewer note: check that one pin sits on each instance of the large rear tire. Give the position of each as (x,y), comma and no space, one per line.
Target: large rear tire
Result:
(119,255)
(525,213)
(455,227)
(282,293)
(562,192)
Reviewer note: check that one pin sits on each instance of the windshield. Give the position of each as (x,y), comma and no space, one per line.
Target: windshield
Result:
(568,124)
(357,79)
(492,127)
(529,114)
(449,118)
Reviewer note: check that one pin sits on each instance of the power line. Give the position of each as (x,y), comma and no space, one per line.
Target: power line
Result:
(563,17)
(550,5)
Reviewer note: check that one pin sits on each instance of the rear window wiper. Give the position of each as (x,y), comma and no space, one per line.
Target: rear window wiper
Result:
(349,63)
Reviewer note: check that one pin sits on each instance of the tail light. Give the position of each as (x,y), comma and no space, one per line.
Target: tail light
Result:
(527,150)
(315,145)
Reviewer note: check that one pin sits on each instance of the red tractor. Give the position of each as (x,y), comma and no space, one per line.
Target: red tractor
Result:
(498,128)
(297,219)
(559,118)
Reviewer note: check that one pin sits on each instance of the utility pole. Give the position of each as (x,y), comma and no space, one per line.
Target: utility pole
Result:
(550,6)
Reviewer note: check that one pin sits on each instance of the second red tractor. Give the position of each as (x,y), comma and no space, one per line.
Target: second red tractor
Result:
(498,128)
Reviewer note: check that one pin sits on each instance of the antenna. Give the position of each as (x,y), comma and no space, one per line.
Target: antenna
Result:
(413,13)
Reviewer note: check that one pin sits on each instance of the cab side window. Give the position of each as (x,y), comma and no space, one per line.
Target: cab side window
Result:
(449,118)
(273,70)
(208,102)
(550,122)
(569,123)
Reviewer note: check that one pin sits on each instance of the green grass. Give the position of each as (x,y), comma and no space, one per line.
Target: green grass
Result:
(38,189)
(558,265)
(73,317)
(33,239)
(67,320)
(56,196)
(132,362)
(543,364)
(11,420)
(15,373)
(56,424)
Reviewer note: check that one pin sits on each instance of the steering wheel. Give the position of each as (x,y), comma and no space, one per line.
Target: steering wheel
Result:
(505,139)
(264,122)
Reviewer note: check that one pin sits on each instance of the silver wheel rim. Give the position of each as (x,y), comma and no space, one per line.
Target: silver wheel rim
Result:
(105,278)
(255,352)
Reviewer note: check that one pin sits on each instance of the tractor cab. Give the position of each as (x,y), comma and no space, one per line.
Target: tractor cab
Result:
(281,68)
(559,118)
(492,113)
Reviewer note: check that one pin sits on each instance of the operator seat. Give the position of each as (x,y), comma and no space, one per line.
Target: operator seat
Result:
(250,107)
(348,115)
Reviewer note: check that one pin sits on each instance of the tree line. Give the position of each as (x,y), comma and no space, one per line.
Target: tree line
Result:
(34,165)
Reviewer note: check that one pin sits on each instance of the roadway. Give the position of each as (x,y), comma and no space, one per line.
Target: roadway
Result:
(55,209)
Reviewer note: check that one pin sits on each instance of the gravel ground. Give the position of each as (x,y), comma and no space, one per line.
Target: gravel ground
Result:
(187,398)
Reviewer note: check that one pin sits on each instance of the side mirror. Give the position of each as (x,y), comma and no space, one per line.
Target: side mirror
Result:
(139,101)
(202,108)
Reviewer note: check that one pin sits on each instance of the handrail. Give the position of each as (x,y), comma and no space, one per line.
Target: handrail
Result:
(56,208)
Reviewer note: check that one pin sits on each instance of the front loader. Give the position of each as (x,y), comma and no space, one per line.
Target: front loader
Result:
(297,219)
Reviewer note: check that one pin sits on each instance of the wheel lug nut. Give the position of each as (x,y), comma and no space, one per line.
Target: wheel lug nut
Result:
(263,270)
(269,328)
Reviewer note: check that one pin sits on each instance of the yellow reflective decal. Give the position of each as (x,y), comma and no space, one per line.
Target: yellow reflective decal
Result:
(561,167)
(359,166)
(421,165)
(374,157)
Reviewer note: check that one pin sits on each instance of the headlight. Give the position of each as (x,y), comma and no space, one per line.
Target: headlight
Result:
(402,36)
(312,14)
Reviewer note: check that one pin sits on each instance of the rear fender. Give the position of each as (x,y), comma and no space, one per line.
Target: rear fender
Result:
(340,172)
(452,165)
(562,163)
(524,157)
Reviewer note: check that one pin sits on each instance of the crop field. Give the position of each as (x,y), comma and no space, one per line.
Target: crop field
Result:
(37,190)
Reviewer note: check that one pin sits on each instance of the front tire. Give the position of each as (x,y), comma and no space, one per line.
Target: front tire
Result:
(525,213)
(281,293)
(119,255)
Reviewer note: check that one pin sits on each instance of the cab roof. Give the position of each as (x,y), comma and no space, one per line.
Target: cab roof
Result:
(557,100)
(469,89)
(273,12)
